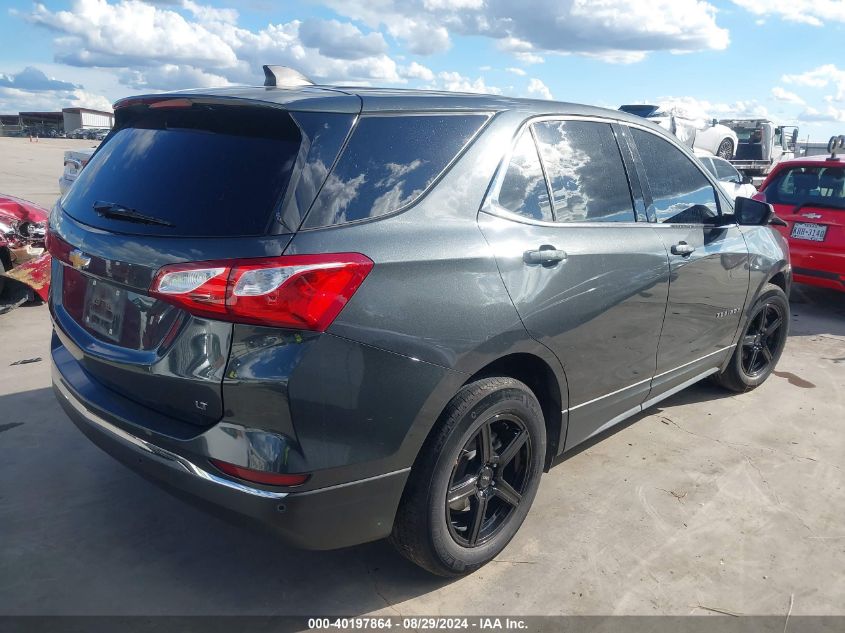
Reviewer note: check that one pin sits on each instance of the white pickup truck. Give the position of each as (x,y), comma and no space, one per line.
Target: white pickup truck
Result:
(75,161)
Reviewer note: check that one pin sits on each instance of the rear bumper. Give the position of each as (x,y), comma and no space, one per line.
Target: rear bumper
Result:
(325,518)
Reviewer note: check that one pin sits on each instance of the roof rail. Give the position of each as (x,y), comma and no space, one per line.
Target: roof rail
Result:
(284,77)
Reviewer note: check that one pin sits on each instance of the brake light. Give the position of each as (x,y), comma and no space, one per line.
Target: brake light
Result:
(260,476)
(297,291)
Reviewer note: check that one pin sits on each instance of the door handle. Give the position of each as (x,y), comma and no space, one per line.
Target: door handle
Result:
(683,249)
(545,256)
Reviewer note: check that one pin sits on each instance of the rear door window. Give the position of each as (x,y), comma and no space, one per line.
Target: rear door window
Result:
(681,193)
(523,189)
(201,171)
(585,171)
(389,162)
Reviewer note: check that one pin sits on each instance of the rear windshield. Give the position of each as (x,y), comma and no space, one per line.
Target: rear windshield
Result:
(205,170)
(817,186)
(389,163)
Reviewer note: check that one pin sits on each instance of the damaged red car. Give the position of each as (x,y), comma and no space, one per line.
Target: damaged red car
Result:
(24,262)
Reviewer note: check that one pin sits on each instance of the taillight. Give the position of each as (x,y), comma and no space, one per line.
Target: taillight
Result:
(297,291)
(260,476)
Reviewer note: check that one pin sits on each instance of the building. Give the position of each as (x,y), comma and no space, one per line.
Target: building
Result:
(40,123)
(75,118)
(51,123)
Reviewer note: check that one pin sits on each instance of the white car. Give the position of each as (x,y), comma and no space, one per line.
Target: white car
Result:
(696,133)
(75,161)
(734,183)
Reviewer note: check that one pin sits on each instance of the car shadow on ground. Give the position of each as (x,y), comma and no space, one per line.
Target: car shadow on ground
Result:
(817,311)
(84,535)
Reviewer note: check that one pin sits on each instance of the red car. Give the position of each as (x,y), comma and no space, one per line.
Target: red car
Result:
(809,194)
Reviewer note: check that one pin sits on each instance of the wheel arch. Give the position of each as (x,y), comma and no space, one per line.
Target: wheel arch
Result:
(539,376)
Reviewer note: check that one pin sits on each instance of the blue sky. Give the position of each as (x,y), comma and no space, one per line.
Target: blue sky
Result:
(774,58)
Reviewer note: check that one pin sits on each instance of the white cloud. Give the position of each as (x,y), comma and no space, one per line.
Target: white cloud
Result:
(830,114)
(33,79)
(703,109)
(456,82)
(618,30)
(417,71)
(516,71)
(537,88)
(785,95)
(340,40)
(824,76)
(17,100)
(171,77)
(812,12)
(203,46)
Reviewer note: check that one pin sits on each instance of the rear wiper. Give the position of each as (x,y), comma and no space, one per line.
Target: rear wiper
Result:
(119,212)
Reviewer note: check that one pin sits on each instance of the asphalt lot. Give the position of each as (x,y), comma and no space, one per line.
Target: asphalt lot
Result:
(708,503)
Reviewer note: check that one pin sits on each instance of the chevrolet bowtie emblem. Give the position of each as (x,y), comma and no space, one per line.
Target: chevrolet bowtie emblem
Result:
(78,259)
(812,216)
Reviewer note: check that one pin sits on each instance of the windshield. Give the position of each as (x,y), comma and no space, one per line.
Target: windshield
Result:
(816,186)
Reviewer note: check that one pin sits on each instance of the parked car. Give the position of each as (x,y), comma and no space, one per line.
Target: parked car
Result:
(24,263)
(734,183)
(406,321)
(707,136)
(74,162)
(77,133)
(808,195)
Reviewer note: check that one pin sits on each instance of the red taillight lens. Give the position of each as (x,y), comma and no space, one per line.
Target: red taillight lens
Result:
(56,246)
(297,291)
(260,476)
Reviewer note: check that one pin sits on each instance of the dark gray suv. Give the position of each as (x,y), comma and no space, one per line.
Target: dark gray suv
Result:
(351,314)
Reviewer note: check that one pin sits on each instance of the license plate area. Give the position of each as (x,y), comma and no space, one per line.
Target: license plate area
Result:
(808,231)
(104,308)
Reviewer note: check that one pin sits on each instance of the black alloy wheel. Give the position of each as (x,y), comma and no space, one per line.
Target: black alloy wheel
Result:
(474,479)
(762,342)
(488,480)
(762,339)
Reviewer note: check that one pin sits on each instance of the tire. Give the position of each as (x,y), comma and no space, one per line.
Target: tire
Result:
(726,149)
(757,352)
(444,537)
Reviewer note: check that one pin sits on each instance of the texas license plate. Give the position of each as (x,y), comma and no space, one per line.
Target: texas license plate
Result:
(807,231)
(104,306)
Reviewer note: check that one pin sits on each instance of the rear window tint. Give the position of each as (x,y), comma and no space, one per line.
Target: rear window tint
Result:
(389,163)
(207,170)
(819,186)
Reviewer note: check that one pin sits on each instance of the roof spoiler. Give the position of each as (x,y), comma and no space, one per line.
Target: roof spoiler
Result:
(284,77)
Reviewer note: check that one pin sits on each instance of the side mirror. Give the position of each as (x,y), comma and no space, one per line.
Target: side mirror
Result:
(750,212)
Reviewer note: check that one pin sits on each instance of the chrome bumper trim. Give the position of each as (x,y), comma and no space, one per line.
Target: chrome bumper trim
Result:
(175,460)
